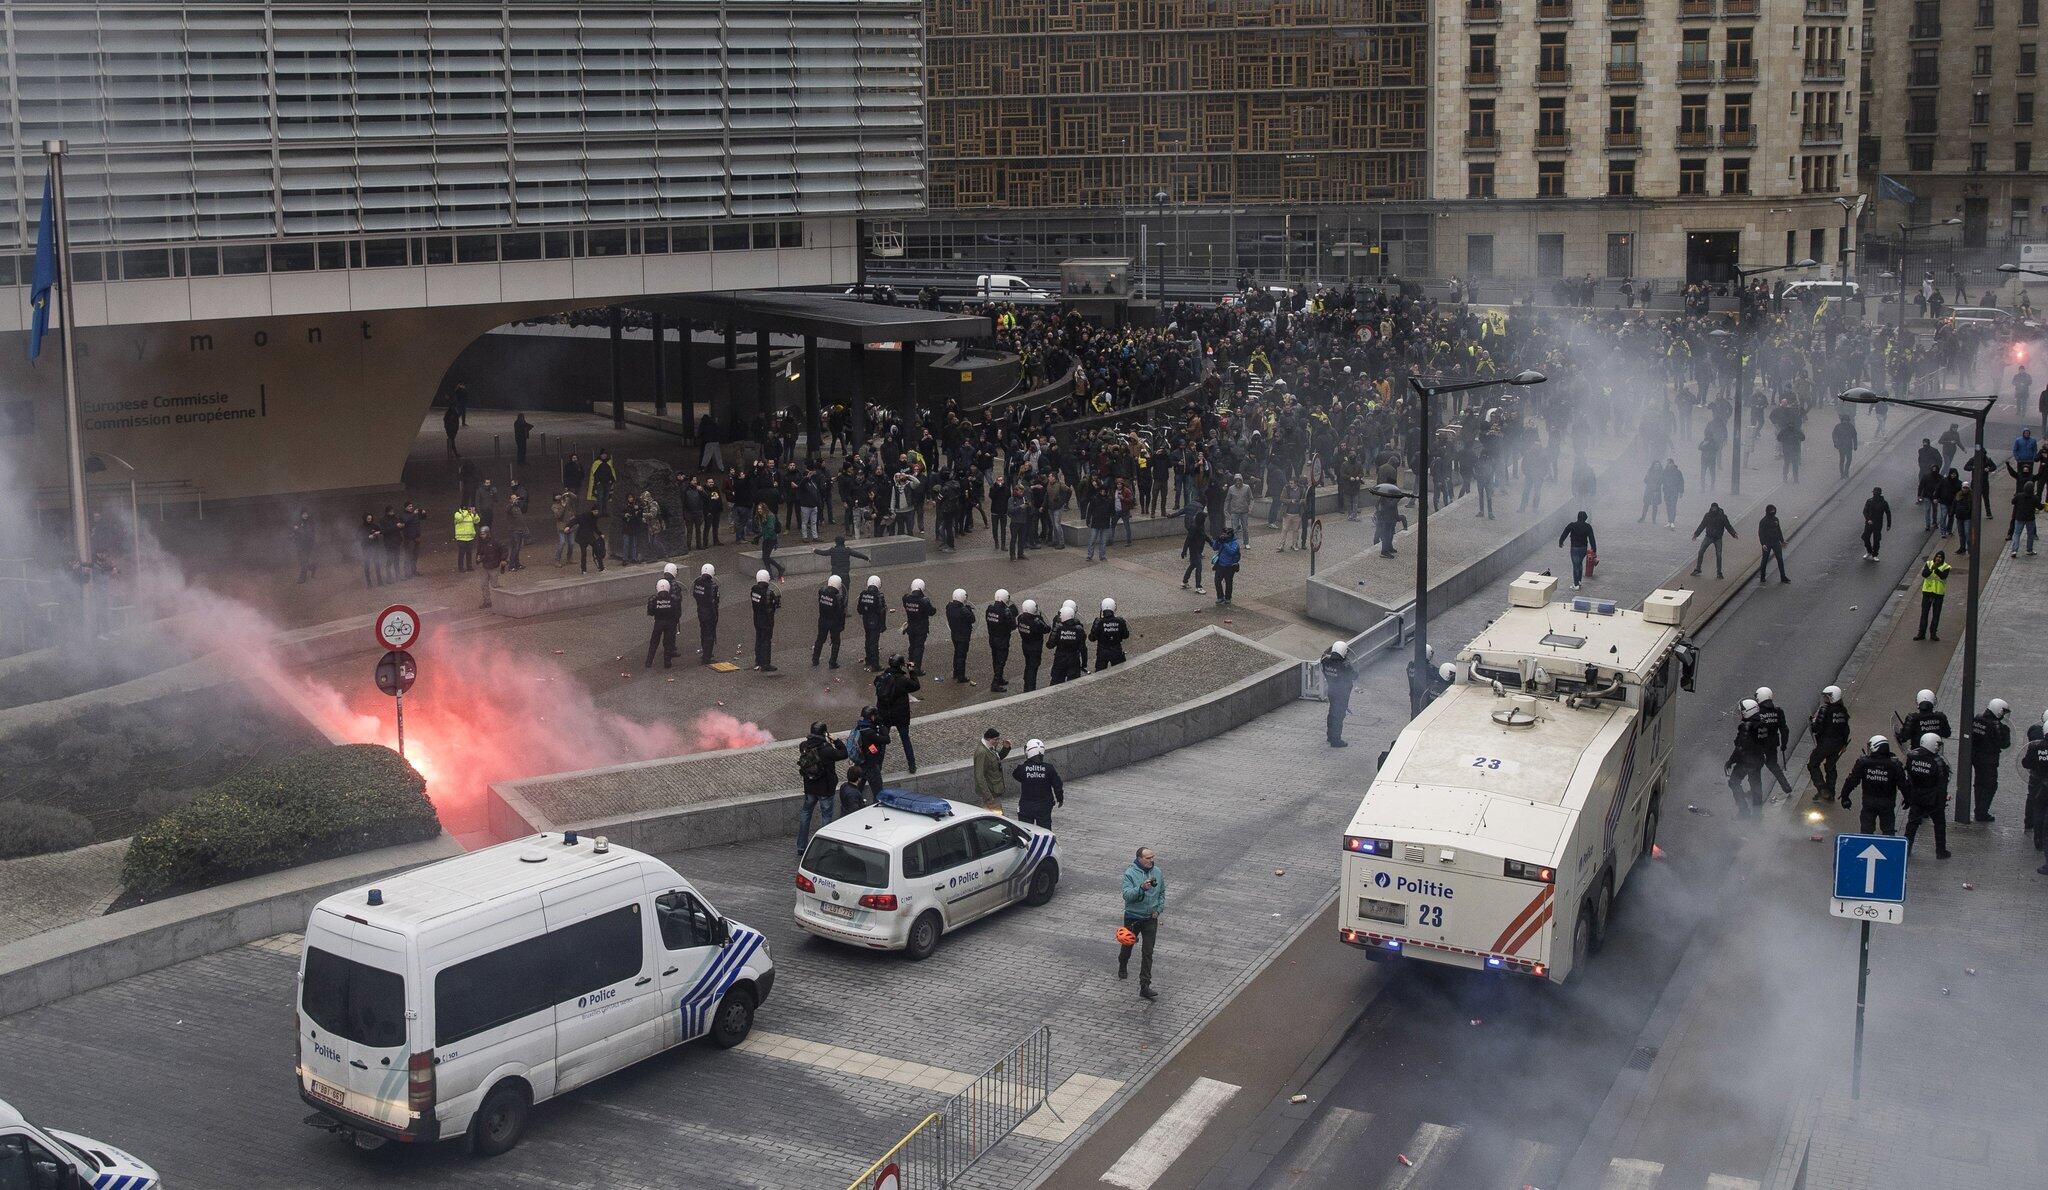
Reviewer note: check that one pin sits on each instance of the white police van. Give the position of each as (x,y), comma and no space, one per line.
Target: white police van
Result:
(898,874)
(45,1159)
(446,1001)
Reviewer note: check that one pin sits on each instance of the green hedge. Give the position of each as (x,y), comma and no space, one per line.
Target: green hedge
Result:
(316,805)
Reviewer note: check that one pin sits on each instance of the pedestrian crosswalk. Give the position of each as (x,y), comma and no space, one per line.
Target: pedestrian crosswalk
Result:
(1354,1149)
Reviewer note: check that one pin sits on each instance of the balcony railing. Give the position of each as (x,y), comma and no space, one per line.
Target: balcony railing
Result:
(1554,10)
(1553,76)
(1827,8)
(1924,30)
(1922,128)
(1825,70)
(1695,138)
(1478,76)
(1631,139)
(1738,72)
(1738,8)
(1738,138)
(1482,10)
(1553,140)
(1821,134)
(1695,8)
(1625,9)
(1695,72)
(1475,139)
(1624,72)
(1931,77)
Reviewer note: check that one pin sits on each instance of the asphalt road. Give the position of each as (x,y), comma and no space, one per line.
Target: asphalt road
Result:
(1495,1082)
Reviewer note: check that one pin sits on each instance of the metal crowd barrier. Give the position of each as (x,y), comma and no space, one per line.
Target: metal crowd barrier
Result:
(964,1128)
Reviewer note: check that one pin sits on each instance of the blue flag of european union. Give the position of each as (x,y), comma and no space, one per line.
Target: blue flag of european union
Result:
(1893,190)
(45,279)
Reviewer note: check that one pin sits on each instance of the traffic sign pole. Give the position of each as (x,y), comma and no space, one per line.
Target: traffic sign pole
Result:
(399,701)
(1862,991)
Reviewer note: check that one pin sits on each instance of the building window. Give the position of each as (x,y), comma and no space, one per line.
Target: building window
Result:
(1621,48)
(1817,243)
(1621,177)
(2030,12)
(1980,156)
(1920,116)
(1692,113)
(1621,113)
(1550,116)
(1920,158)
(1550,256)
(1980,108)
(1980,61)
(1479,179)
(1927,18)
(1550,179)
(2022,214)
(1479,119)
(1621,254)
(1925,68)
(1479,256)
(1735,175)
(2026,68)
(1550,54)
(1693,50)
(1481,62)
(1987,13)
(2023,157)
(1692,175)
(1741,48)
(2023,107)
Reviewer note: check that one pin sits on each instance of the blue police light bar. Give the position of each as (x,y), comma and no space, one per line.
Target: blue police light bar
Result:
(1593,607)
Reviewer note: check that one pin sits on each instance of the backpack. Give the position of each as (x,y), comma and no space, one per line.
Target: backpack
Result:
(810,760)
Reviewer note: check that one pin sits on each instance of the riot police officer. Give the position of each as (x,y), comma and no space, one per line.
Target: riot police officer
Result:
(1041,786)
(1829,725)
(1745,762)
(1883,779)
(1923,719)
(917,623)
(874,617)
(1339,676)
(1774,734)
(1927,775)
(831,619)
(2034,759)
(960,626)
(667,611)
(1001,617)
(1069,648)
(1109,632)
(767,601)
(1031,633)
(705,592)
(1990,736)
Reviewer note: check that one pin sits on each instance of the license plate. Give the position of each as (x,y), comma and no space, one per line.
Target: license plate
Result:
(832,910)
(327,1094)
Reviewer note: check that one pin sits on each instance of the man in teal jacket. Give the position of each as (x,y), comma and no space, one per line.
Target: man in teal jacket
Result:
(1144,901)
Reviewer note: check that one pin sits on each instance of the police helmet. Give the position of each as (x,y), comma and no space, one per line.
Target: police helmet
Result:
(1930,741)
(2000,707)
(1763,694)
(1878,743)
(1002,596)
(833,582)
(1340,648)
(1748,707)
(707,570)
(1029,606)
(1925,698)
(1831,693)
(1447,672)
(959,593)
(874,580)
(760,576)
(1109,605)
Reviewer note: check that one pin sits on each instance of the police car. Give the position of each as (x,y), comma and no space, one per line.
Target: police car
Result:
(898,874)
(45,1157)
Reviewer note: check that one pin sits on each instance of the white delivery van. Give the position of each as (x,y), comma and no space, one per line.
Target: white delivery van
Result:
(45,1159)
(446,1001)
(1509,812)
(1008,287)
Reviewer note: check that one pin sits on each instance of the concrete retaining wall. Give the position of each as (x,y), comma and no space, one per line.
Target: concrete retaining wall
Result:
(636,581)
(773,815)
(1336,604)
(104,950)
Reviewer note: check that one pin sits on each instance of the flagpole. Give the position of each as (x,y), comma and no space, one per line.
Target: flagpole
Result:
(81,531)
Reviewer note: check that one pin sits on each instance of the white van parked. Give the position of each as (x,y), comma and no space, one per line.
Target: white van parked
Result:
(46,1159)
(446,1001)
(1008,286)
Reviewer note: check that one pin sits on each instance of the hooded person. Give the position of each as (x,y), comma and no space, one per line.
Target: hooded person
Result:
(705,591)
(1990,736)
(1031,633)
(1109,632)
(1069,647)
(960,627)
(1001,619)
(666,607)
(917,622)
(874,617)
(766,601)
(1040,786)
(1339,676)
(1829,727)
(1883,780)
(831,618)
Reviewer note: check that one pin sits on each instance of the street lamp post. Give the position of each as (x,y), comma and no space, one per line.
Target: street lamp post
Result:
(1742,338)
(1978,410)
(1162,198)
(1425,395)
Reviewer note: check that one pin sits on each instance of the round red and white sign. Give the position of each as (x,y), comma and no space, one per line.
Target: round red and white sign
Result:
(890,1178)
(397,627)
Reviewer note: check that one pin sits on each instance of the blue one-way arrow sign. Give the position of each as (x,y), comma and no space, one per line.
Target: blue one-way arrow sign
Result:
(1870,868)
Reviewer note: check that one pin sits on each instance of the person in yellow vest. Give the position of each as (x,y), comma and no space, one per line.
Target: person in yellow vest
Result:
(466,520)
(1933,586)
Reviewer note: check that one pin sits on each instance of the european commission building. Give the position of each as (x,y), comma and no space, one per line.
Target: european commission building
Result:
(232,161)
